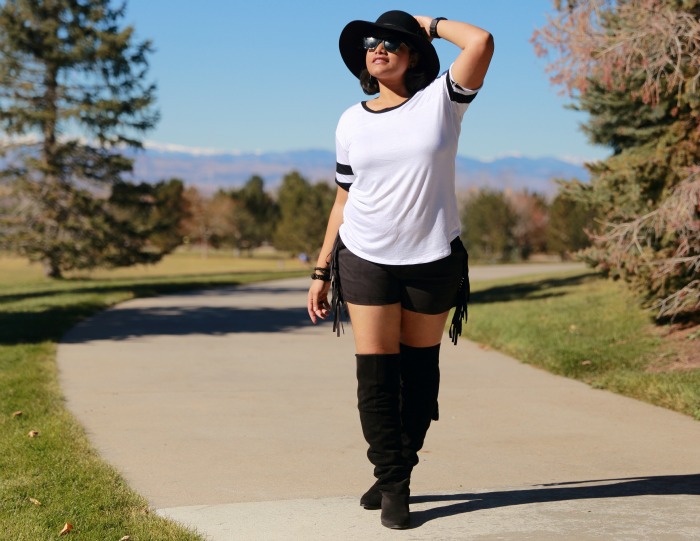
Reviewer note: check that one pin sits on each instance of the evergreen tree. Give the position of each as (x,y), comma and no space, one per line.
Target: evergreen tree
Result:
(652,146)
(304,210)
(488,222)
(569,221)
(154,212)
(66,66)
(257,214)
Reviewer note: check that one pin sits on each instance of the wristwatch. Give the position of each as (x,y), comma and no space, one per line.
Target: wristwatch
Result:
(433,26)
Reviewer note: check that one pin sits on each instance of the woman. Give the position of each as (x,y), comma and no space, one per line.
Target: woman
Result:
(393,231)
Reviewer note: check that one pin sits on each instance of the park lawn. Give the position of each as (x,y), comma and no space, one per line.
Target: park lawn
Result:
(587,328)
(58,468)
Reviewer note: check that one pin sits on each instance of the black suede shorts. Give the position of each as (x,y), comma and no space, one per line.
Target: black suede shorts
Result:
(426,288)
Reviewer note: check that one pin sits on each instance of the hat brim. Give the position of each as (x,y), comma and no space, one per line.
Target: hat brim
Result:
(354,55)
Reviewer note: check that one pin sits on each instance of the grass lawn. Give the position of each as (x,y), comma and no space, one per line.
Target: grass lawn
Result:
(55,477)
(584,327)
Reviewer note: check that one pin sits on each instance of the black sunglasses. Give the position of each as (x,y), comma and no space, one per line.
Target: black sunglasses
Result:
(391,45)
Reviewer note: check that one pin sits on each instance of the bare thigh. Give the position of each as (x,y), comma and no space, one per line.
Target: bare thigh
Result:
(377,329)
(380,329)
(422,330)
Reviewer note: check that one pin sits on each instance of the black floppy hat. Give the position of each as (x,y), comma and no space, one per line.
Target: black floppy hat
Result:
(392,23)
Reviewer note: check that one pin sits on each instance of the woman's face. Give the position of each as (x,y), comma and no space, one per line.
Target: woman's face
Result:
(387,66)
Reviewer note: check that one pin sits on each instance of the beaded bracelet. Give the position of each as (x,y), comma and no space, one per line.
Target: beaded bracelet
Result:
(324,273)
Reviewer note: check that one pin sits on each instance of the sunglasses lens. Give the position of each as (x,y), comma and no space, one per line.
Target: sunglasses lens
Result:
(392,45)
(371,43)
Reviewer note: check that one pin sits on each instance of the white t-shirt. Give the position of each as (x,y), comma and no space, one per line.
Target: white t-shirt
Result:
(399,167)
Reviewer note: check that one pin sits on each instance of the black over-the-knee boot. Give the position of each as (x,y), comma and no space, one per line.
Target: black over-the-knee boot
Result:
(378,401)
(420,384)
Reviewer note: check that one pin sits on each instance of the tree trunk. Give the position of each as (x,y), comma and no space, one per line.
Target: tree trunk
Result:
(52,269)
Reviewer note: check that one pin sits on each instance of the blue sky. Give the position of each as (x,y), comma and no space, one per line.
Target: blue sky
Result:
(267,76)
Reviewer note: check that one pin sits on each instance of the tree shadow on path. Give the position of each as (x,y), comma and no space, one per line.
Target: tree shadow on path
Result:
(665,485)
(54,321)
(540,289)
(129,323)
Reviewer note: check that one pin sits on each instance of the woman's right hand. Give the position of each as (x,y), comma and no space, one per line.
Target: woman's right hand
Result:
(317,302)
(424,21)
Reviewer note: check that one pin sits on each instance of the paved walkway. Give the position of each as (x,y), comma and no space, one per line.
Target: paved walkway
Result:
(231,413)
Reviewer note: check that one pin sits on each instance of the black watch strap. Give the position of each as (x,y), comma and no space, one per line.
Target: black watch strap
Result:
(433,26)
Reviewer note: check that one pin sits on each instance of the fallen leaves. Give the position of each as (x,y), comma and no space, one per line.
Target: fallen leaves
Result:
(66,529)
(125,538)
(33,433)
(17,414)
(35,501)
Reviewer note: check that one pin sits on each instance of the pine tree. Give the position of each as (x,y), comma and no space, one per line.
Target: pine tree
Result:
(153,212)
(257,214)
(304,210)
(73,95)
(488,221)
(569,220)
(652,146)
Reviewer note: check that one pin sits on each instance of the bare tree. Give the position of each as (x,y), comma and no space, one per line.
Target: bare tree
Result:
(648,38)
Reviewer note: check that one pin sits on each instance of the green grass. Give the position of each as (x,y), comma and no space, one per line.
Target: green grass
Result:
(59,468)
(584,327)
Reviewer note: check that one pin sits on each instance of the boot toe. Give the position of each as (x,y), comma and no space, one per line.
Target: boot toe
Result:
(395,513)
(372,499)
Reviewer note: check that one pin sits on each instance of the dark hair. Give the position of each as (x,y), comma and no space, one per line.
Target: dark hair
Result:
(368,83)
(414,79)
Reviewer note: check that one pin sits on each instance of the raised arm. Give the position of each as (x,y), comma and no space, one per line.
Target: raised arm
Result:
(472,63)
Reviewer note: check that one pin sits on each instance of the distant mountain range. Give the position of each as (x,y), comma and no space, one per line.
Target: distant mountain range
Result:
(210,171)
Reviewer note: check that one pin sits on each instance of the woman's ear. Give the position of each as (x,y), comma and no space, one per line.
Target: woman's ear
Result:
(413,59)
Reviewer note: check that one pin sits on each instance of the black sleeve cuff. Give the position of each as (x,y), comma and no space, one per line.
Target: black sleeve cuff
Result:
(344,185)
(456,96)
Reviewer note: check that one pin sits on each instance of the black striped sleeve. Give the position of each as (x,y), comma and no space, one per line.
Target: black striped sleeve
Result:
(344,177)
(459,94)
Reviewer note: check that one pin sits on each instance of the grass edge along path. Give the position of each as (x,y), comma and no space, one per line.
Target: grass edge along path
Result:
(584,327)
(56,477)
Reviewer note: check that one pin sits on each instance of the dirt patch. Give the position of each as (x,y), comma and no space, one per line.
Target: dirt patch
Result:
(680,349)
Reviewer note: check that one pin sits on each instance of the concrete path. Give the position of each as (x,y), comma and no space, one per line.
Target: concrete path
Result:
(233,414)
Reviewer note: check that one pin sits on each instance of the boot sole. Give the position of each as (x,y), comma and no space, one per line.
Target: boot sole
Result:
(396,526)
